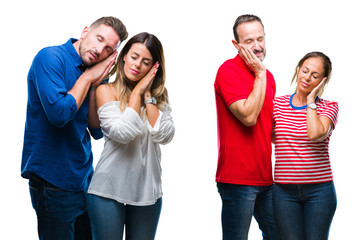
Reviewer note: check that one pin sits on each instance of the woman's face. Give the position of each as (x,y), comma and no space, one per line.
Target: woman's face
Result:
(310,74)
(137,62)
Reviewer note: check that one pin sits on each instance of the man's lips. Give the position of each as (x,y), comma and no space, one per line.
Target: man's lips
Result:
(93,55)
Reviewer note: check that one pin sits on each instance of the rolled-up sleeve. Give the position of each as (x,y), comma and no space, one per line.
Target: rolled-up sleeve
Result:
(96,133)
(121,127)
(48,76)
(164,129)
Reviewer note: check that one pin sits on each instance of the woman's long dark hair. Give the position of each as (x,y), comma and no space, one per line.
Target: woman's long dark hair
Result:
(124,89)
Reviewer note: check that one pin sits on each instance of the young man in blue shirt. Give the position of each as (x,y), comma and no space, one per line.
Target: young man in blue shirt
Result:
(61,116)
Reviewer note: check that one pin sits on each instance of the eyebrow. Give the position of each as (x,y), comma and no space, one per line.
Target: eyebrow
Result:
(144,58)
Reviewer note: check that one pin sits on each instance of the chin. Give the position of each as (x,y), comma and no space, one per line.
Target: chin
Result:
(87,62)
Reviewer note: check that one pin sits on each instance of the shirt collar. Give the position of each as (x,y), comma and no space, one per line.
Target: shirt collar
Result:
(74,54)
(240,62)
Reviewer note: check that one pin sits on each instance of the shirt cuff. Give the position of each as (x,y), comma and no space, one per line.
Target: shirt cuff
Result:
(96,133)
(157,124)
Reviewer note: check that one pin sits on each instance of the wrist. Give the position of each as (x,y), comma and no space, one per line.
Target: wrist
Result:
(261,75)
(147,95)
(310,100)
(312,105)
(136,92)
(150,101)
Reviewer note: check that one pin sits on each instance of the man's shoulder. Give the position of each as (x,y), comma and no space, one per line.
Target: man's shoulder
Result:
(230,68)
(230,63)
(52,50)
(269,74)
(51,55)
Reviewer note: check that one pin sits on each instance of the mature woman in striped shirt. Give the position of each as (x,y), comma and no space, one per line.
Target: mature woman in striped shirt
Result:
(304,194)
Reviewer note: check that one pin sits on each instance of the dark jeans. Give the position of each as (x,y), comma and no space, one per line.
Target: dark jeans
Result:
(240,203)
(109,217)
(60,214)
(304,211)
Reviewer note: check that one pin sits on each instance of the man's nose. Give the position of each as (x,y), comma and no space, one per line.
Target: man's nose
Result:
(255,45)
(100,48)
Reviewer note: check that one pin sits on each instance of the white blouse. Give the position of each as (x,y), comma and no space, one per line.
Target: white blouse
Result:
(129,169)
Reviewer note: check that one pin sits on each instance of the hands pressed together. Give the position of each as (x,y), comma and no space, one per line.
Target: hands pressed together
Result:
(100,71)
(144,85)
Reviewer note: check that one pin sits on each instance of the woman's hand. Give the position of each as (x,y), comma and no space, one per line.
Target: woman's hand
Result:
(144,85)
(311,97)
(141,88)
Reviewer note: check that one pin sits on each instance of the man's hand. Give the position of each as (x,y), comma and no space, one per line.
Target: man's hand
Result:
(93,76)
(253,62)
(97,73)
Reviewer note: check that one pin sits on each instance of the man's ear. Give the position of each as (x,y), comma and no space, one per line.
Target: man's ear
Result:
(235,44)
(84,32)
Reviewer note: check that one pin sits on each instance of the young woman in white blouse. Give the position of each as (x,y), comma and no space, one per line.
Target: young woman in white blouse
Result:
(304,197)
(125,190)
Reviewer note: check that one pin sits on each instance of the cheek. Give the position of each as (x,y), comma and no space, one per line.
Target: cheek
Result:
(145,70)
(317,82)
(103,56)
(126,68)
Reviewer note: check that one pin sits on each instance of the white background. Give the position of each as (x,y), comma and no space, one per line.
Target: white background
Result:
(196,36)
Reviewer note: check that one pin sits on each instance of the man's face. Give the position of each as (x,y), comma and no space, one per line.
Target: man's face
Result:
(97,43)
(251,34)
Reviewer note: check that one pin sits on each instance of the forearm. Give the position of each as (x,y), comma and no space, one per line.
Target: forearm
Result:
(93,120)
(151,110)
(165,130)
(316,127)
(135,101)
(80,89)
(247,110)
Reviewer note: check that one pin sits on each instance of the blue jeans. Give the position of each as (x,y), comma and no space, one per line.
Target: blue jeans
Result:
(108,218)
(304,211)
(60,214)
(239,204)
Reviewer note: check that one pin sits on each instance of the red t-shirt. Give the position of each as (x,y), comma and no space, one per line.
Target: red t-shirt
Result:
(244,153)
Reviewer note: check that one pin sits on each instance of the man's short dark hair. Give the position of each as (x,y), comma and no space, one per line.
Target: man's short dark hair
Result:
(115,23)
(242,19)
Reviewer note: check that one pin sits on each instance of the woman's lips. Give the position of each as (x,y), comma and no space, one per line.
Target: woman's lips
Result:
(134,71)
(304,84)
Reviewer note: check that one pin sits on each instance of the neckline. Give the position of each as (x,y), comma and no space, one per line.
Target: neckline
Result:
(298,108)
(294,107)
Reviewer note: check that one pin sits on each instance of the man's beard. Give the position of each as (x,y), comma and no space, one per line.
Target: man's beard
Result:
(82,53)
(263,51)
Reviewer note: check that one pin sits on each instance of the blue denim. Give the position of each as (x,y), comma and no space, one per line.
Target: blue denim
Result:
(304,211)
(108,218)
(239,204)
(61,215)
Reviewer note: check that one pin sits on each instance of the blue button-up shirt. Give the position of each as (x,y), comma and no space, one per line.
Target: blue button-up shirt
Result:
(57,143)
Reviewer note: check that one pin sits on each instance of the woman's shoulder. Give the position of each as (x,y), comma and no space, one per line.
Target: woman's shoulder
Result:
(327,103)
(105,93)
(282,98)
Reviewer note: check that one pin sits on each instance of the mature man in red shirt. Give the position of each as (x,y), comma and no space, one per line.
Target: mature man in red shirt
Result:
(244,92)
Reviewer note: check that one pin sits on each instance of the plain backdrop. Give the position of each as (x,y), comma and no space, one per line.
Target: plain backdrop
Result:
(196,36)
